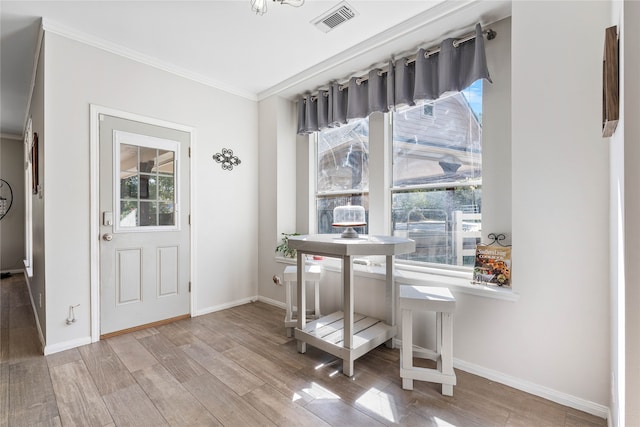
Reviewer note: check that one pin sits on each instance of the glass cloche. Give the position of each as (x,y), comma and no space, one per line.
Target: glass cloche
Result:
(349,217)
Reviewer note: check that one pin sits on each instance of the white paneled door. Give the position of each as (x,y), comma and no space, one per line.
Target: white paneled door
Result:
(144,223)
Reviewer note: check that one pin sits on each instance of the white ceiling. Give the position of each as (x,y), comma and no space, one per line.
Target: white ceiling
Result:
(225,45)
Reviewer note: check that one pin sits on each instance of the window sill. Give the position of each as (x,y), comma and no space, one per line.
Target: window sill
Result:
(460,282)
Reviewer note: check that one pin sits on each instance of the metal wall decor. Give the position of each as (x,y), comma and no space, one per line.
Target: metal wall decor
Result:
(6,198)
(227,159)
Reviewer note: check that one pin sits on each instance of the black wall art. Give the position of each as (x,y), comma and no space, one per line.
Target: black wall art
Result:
(227,159)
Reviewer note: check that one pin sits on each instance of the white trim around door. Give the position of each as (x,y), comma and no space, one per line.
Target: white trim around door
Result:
(95,112)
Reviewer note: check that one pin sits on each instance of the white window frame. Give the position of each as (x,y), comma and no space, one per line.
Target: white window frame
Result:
(380,190)
(128,138)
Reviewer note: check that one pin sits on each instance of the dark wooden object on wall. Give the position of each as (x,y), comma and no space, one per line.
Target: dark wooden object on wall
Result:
(35,173)
(610,90)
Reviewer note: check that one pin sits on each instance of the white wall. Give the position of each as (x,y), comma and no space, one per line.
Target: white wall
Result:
(628,290)
(616,231)
(12,225)
(277,194)
(557,335)
(37,282)
(225,203)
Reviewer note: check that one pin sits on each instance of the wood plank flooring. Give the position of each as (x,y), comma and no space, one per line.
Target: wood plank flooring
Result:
(233,368)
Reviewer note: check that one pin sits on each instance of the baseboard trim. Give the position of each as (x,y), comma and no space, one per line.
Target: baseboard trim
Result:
(66,345)
(555,396)
(13,271)
(27,281)
(272,302)
(220,307)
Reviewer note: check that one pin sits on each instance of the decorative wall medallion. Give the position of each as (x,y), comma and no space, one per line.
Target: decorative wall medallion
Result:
(227,159)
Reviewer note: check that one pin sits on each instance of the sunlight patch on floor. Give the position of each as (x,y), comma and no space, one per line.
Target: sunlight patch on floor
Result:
(441,423)
(319,392)
(378,402)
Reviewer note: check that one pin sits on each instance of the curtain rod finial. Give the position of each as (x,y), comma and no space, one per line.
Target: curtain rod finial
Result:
(491,34)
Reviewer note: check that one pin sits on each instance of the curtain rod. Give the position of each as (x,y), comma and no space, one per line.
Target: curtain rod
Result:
(491,34)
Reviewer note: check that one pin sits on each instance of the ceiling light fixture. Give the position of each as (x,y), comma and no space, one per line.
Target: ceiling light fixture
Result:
(260,6)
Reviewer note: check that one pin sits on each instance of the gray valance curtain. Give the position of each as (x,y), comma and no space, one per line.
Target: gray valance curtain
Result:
(404,82)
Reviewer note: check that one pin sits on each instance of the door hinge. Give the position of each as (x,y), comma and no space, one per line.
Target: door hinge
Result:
(189,151)
(189,286)
(189,219)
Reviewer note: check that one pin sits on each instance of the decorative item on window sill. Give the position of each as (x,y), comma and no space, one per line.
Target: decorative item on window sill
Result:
(284,248)
(493,262)
(227,159)
(349,217)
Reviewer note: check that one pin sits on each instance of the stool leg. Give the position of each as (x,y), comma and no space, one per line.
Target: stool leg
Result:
(446,354)
(301,296)
(289,309)
(439,341)
(406,361)
(347,366)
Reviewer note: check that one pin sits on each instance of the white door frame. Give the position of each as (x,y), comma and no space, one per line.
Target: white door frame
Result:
(95,111)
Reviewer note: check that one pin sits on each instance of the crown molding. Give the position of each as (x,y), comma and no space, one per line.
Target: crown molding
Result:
(414,24)
(61,30)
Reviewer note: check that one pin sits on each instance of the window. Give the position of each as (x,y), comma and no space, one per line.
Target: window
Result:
(436,193)
(145,182)
(435,188)
(342,177)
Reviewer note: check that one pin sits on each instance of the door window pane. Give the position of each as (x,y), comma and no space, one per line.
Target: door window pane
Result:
(148,214)
(128,185)
(147,194)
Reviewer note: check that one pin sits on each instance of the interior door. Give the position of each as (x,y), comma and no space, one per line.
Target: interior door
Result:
(144,224)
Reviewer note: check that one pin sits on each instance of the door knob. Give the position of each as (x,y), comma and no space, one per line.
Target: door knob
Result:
(107,237)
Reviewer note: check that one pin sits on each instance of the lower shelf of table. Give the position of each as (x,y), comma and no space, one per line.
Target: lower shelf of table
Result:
(327,334)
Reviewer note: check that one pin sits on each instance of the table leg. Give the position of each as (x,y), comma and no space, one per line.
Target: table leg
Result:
(390,295)
(347,287)
(347,366)
(302,309)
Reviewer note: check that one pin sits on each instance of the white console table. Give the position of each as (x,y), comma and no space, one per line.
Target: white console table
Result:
(346,334)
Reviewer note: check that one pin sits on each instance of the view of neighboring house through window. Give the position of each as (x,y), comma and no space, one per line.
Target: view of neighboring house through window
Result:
(437,177)
(342,172)
(436,183)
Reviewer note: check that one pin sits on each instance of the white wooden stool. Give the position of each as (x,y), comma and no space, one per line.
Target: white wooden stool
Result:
(440,300)
(312,273)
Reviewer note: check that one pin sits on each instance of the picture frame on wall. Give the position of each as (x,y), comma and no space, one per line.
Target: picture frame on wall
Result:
(610,82)
(34,164)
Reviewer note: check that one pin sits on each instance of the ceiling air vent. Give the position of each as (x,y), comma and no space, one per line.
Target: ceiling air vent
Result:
(336,16)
